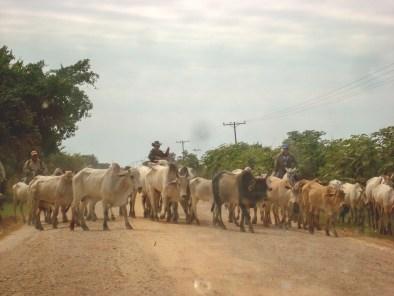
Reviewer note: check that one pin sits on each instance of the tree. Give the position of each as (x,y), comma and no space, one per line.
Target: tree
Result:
(241,155)
(190,160)
(353,159)
(71,162)
(308,150)
(384,142)
(39,109)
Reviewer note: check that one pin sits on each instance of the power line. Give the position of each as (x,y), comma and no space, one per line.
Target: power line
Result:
(365,80)
(234,124)
(183,146)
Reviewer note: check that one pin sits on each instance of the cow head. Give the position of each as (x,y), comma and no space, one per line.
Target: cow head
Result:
(292,175)
(251,188)
(68,176)
(183,183)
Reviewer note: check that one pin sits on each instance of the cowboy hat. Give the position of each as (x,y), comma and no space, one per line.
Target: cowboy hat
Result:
(155,143)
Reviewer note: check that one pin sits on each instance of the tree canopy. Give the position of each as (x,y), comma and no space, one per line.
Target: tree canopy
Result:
(356,158)
(40,108)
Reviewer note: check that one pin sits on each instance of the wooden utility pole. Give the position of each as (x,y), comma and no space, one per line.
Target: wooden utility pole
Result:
(234,124)
(183,146)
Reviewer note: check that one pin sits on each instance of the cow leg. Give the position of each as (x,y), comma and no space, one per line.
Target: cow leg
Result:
(194,211)
(47,215)
(168,214)
(327,228)
(92,211)
(241,224)
(64,214)
(154,201)
(185,208)
(54,217)
(214,214)
(233,216)
(236,207)
(113,218)
(73,217)
(37,213)
(175,216)
(132,204)
(165,204)
(254,221)
(248,219)
(105,212)
(332,222)
(22,214)
(220,219)
(230,213)
(317,221)
(88,211)
(310,222)
(126,220)
(15,203)
(81,216)
(145,205)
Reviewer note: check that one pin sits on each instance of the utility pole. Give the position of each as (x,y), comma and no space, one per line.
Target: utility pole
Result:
(234,124)
(183,146)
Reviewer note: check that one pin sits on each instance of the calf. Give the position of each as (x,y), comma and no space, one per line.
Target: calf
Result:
(20,197)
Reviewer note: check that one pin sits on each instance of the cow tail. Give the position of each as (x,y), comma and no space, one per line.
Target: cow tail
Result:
(215,190)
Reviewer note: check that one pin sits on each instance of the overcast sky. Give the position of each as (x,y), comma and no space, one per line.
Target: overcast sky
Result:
(172,70)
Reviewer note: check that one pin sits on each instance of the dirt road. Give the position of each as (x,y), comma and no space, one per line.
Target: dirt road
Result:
(169,259)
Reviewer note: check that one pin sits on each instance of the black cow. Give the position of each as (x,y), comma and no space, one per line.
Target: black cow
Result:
(242,189)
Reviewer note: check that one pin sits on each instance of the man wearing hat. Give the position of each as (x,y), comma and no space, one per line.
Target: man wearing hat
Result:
(34,167)
(283,161)
(156,154)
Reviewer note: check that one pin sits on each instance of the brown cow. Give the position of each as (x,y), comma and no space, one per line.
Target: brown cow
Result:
(316,198)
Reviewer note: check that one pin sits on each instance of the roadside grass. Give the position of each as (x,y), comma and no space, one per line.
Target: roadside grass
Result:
(8,224)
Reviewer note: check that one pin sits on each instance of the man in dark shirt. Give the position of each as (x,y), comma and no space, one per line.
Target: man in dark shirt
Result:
(284,161)
(156,154)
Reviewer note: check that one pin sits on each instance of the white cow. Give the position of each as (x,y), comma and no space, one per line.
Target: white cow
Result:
(200,189)
(279,197)
(370,200)
(20,196)
(111,186)
(354,198)
(143,190)
(157,180)
(383,196)
(335,184)
(50,192)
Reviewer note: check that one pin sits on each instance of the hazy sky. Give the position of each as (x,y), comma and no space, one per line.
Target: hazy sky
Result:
(172,70)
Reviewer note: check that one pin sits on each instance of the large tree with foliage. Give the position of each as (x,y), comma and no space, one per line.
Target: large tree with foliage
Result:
(355,158)
(40,108)
(230,157)
(308,149)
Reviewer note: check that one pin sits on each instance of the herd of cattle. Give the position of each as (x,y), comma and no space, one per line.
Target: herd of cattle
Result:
(163,186)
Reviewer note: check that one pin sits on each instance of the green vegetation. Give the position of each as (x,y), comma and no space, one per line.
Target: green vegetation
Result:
(356,158)
(39,108)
